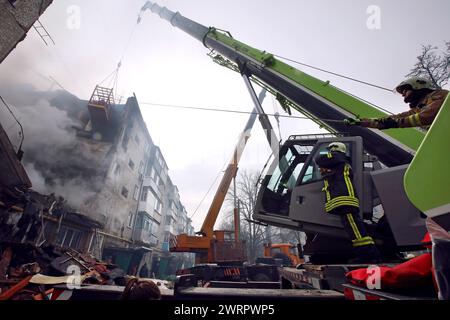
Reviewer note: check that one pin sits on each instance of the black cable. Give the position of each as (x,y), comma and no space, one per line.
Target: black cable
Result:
(115,73)
(19,152)
(368,102)
(234,111)
(334,73)
(111,74)
(207,192)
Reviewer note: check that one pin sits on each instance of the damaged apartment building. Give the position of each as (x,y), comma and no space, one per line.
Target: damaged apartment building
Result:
(81,174)
(103,185)
(160,210)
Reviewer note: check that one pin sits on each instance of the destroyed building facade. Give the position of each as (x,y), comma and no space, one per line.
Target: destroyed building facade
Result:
(108,181)
(99,184)
(132,201)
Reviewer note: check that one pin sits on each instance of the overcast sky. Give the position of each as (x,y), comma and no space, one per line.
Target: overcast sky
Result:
(163,65)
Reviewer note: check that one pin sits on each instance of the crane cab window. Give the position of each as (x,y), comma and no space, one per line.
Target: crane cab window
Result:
(295,166)
(292,161)
(290,164)
(312,174)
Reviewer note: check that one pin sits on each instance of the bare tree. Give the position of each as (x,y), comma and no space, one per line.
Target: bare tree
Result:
(433,65)
(254,234)
(289,236)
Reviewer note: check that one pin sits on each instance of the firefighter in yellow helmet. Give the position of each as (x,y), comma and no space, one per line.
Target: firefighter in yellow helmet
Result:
(341,199)
(424,101)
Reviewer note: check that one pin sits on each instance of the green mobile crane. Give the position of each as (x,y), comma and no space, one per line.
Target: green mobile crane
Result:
(290,191)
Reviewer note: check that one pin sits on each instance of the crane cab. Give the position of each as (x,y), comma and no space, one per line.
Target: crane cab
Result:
(291,191)
(291,196)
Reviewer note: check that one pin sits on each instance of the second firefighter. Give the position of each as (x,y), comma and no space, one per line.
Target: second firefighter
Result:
(341,199)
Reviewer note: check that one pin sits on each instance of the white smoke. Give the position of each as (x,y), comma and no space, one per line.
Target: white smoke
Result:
(54,158)
(76,191)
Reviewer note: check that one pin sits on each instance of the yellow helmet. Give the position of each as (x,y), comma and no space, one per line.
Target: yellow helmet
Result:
(337,146)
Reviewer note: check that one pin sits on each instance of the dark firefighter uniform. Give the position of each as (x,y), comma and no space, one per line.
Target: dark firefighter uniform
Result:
(341,199)
(421,115)
(424,101)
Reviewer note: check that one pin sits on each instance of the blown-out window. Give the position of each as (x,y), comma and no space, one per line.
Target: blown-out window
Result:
(124,192)
(69,238)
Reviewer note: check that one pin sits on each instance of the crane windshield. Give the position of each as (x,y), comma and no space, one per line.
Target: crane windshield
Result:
(285,175)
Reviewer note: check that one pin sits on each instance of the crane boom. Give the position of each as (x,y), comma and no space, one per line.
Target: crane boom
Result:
(229,174)
(311,96)
(210,245)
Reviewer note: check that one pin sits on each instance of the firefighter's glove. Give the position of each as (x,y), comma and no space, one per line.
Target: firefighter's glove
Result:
(352,122)
(370,123)
(381,123)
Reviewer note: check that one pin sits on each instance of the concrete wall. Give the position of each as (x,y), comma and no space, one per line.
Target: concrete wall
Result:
(119,196)
(16,18)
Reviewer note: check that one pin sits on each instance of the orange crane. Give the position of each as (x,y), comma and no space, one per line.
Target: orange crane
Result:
(221,246)
(285,251)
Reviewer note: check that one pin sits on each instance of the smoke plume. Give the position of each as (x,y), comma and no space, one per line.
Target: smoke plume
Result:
(56,160)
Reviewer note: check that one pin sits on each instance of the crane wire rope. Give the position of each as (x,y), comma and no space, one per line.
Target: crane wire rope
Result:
(207,192)
(348,78)
(20,125)
(235,111)
(114,75)
(335,74)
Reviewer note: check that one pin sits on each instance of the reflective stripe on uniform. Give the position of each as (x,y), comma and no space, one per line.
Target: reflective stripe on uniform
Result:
(329,155)
(417,118)
(325,188)
(341,201)
(414,120)
(339,204)
(329,208)
(410,120)
(365,241)
(348,182)
(354,226)
(334,204)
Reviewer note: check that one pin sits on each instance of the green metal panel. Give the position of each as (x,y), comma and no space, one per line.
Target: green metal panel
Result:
(123,260)
(428,176)
(163,264)
(410,137)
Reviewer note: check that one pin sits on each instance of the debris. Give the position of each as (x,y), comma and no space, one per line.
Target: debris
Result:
(4,263)
(44,295)
(43,279)
(25,270)
(15,289)
(28,272)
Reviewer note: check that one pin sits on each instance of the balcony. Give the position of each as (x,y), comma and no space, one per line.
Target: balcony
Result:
(165,246)
(170,229)
(157,216)
(149,182)
(147,207)
(170,214)
(144,236)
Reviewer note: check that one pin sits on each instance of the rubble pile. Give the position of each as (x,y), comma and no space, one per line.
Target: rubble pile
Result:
(28,272)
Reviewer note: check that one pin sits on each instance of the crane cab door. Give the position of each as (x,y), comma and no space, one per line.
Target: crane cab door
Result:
(292,194)
(308,200)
